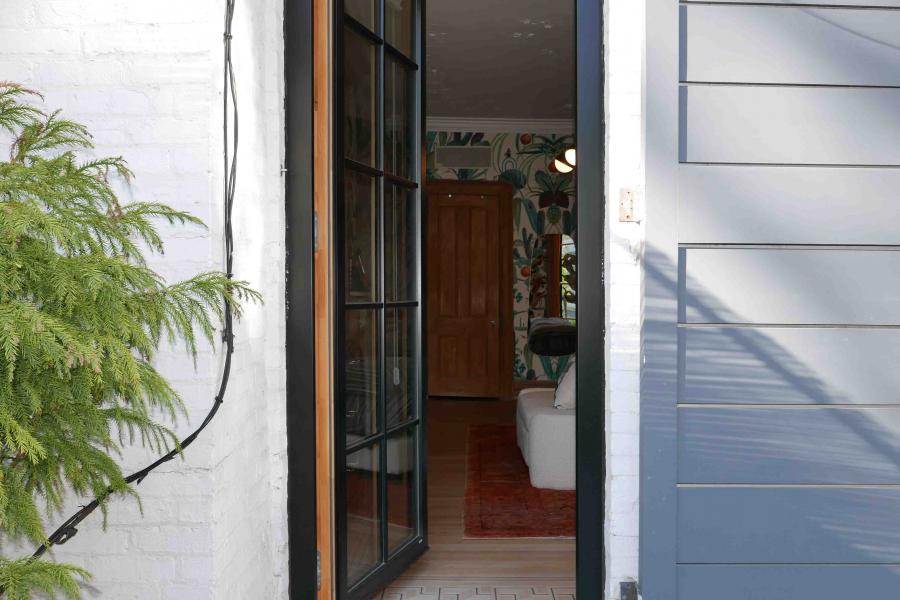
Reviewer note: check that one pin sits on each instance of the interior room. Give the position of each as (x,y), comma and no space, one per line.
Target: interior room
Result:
(500,296)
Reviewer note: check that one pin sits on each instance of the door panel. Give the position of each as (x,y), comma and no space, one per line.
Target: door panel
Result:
(814,205)
(789,525)
(853,366)
(790,125)
(769,44)
(863,3)
(801,285)
(737,444)
(466,271)
(769,410)
(771,582)
(379,437)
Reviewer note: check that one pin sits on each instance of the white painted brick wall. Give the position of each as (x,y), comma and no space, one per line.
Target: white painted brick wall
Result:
(624,48)
(250,516)
(145,77)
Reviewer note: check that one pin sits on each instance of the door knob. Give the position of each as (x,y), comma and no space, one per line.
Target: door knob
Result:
(493,323)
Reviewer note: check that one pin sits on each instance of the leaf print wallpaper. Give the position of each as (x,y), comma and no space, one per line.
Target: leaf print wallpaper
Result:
(543,202)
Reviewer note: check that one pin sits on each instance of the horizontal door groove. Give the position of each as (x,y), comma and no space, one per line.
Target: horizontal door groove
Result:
(683,325)
(700,405)
(789,564)
(791,165)
(840,86)
(783,165)
(765,246)
(790,5)
(789,486)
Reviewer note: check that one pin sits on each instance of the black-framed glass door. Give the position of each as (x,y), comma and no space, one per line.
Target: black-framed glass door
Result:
(379,434)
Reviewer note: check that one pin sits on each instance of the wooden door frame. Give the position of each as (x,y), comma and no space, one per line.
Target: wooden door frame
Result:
(324,296)
(504,193)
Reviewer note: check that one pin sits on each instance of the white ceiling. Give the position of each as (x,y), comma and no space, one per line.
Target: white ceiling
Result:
(507,59)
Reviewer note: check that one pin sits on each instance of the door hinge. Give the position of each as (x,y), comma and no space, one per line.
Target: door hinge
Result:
(315,231)
(318,570)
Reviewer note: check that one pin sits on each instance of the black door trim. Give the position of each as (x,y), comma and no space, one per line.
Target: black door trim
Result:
(393,564)
(299,299)
(591,382)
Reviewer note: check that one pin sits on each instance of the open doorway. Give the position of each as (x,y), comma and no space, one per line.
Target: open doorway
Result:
(499,199)
(381,435)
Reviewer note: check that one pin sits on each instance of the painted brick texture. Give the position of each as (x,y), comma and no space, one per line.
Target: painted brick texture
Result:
(145,77)
(624,48)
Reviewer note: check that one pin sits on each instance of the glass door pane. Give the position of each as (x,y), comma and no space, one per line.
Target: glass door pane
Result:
(398,128)
(363,512)
(401,352)
(378,383)
(401,256)
(364,11)
(359,97)
(361,244)
(361,375)
(398,24)
(403,510)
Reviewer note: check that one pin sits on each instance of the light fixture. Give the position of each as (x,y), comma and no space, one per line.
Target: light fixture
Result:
(564,161)
(562,167)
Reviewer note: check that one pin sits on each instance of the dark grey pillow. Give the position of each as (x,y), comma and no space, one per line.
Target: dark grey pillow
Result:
(550,336)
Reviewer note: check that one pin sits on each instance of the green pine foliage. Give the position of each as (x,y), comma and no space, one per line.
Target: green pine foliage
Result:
(81,317)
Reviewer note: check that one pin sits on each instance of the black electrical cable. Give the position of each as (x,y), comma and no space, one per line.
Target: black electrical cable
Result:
(68,529)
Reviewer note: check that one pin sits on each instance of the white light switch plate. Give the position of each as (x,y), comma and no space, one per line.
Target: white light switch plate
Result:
(627,205)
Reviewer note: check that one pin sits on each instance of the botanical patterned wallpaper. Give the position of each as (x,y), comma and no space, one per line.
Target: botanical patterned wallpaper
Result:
(543,202)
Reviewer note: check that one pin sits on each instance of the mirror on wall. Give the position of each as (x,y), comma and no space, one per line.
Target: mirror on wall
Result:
(556,276)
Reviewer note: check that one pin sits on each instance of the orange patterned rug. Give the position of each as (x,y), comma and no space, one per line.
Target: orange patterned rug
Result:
(500,500)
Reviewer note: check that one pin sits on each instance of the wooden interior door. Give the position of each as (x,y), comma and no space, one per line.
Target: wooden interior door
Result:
(469,289)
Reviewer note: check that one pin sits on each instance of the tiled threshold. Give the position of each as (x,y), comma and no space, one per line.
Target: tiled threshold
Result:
(480,589)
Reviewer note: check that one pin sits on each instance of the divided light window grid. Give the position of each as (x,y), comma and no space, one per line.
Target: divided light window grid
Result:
(379,333)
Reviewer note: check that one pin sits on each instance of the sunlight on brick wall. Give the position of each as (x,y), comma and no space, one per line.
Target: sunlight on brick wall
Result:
(624,27)
(145,77)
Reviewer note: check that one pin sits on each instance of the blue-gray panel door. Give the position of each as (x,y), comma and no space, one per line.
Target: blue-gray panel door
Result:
(770,397)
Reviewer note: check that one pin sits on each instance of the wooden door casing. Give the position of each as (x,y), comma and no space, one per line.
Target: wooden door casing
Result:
(469,288)
(323,268)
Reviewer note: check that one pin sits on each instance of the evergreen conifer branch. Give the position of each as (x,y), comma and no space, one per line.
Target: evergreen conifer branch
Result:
(82,317)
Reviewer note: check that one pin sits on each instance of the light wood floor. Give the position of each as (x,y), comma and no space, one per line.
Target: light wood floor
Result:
(545,567)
